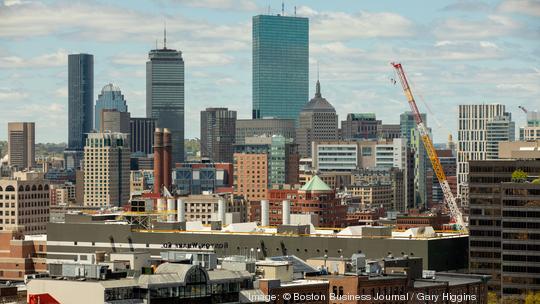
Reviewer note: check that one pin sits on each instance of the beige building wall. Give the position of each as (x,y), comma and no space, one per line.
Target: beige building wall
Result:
(520,149)
(24,203)
(68,291)
(202,207)
(274,270)
(106,170)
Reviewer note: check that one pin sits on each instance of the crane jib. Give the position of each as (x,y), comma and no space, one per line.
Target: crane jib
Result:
(430,149)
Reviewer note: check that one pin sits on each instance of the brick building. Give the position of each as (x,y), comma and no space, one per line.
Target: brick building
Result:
(20,255)
(251,175)
(315,197)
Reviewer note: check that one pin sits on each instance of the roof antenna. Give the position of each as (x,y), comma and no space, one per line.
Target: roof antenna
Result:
(318,86)
(317,70)
(156,45)
(282,8)
(295,10)
(165,35)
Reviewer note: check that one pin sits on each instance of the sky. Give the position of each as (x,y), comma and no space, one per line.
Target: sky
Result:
(453,52)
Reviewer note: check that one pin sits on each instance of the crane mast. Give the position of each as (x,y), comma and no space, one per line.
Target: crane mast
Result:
(430,149)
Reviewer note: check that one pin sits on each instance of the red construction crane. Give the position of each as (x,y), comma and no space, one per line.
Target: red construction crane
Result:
(430,149)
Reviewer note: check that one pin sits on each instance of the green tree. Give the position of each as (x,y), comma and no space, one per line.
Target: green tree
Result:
(532,298)
(519,176)
(493,298)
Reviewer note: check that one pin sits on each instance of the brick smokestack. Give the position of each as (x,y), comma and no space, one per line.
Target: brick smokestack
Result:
(167,158)
(158,160)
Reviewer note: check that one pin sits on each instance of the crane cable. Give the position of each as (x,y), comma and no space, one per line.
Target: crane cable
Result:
(437,121)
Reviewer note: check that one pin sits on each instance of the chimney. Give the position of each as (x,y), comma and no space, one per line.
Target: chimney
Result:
(221,210)
(161,208)
(265,206)
(170,210)
(286,212)
(158,160)
(181,209)
(167,158)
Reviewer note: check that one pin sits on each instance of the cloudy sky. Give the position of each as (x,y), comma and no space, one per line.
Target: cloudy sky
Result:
(454,52)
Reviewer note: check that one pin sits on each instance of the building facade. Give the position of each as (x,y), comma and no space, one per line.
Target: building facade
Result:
(407,124)
(21,145)
(315,198)
(391,154)
(218,127)
(251,175)
(165,95)
(24,203)
(318,122)
(111,98)
(80,99)
(283,159)
(343,155)
(500,129)
(472,139)
(204,208)
(115,121)
(264,127)
(196,178)
(504,224)
(21,255)
(360,126)
(389,131)
(106,170)
(531,131)
(142,134)
(280,66)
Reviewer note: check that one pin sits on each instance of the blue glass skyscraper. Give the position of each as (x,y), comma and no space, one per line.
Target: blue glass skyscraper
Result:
(80,99)
(280,66)
(111,98)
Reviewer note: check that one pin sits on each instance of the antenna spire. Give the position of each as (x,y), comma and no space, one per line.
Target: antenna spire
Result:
(282,8)
(318,86)
(165,35)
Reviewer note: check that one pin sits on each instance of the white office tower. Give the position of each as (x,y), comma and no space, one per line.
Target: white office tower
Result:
(473,124)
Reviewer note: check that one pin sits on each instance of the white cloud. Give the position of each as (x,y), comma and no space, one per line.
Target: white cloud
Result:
(130,59)
(207,59)
(58,58)
(344,26)
(306,11)
(61,92)
(10,95)
(227,81)
(244,5)
(527,7)
(106,23)
(467,6)
(491,26)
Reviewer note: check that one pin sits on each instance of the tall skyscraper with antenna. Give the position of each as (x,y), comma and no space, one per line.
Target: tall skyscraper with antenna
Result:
(280,65)
(165,94)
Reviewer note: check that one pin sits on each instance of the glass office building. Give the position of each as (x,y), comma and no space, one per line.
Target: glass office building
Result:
(111,98)
(165,95)
(80,99)
(280,66)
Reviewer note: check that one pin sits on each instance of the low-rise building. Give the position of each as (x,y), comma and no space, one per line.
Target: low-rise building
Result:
(315,197)
(205,207)
(374,195)
(21,255)
(197,178)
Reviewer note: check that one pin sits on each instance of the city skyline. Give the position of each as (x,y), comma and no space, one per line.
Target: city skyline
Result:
(466,52)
